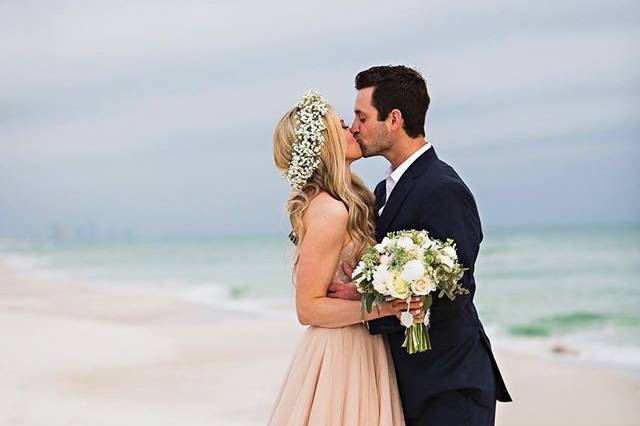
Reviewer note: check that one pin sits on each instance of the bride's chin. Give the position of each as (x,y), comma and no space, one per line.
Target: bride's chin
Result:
(350,160)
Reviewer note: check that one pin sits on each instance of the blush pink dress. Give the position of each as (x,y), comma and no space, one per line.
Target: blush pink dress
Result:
(339,377)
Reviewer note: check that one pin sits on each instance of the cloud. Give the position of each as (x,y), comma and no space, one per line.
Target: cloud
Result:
(112,110)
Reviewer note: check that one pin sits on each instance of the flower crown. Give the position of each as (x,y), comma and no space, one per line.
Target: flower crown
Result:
(312,108)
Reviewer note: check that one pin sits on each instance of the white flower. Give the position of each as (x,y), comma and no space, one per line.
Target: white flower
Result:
(359,268)
(423,286)
(380,278)
(427,243)
(406,243)
(451,252)
(312,108)
(397,287)
(384,259)
(358,272)
(360,279)
(387,243)
(379,248)
(412,270)
(446,260)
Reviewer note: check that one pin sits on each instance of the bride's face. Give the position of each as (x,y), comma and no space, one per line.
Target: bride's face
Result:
(352,149)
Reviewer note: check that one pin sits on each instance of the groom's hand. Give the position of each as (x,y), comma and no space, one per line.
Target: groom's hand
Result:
(415,306)
(346,291)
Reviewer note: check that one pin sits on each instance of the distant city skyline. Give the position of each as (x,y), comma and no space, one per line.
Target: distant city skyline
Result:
(147,120)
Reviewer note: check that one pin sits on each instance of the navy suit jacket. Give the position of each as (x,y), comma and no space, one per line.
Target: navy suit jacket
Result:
(431,196)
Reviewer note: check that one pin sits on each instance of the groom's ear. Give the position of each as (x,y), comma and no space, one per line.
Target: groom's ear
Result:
(395,119)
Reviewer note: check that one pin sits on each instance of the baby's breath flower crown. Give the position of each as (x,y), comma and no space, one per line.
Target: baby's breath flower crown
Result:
(312,108)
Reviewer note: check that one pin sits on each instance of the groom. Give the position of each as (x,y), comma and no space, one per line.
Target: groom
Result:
(458,381)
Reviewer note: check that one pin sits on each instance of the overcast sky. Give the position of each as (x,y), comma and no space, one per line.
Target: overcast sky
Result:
(156,117)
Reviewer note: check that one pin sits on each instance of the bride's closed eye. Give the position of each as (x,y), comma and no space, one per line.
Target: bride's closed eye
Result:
(344,125)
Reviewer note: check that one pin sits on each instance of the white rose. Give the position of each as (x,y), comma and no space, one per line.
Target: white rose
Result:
(384,259)
(413,270)
(397,287)
(380,277)
(423,286)
(406,243)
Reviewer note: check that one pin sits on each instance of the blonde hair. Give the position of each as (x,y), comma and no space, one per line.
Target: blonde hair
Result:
(328,177)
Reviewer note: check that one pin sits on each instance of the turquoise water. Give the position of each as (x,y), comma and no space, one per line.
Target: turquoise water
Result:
(579,285)
(246,267)
(563,282)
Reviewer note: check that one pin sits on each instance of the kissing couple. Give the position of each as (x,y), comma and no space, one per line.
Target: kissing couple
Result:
(350,367)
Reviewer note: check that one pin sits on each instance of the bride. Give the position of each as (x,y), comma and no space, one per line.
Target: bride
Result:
(340,374)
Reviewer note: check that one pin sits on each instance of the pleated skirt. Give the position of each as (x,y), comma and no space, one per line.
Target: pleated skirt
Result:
(339,376)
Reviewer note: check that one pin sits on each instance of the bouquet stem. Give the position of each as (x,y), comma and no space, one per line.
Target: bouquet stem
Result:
(416,339)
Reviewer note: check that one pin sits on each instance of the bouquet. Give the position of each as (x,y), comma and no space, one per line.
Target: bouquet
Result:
(406,264)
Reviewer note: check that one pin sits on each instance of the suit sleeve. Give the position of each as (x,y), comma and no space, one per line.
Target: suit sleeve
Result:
(451,212)
(385,325)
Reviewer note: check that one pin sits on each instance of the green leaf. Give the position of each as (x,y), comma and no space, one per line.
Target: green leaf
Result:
(427,301)
(369,298)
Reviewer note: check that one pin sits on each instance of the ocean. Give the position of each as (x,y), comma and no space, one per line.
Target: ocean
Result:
(536,288)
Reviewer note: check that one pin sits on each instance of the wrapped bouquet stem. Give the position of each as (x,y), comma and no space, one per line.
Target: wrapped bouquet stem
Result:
(416,337)
(408,264)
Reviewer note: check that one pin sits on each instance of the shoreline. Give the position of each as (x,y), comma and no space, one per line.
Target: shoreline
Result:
(139,356)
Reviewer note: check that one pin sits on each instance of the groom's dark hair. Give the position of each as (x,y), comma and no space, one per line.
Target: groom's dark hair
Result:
(398,87)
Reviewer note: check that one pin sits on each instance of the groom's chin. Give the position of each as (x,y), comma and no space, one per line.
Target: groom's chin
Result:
(367,153)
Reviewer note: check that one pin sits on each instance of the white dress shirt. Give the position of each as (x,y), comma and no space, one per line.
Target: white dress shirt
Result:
(393,176)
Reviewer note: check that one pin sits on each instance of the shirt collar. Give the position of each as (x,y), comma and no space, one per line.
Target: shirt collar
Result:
(396,174)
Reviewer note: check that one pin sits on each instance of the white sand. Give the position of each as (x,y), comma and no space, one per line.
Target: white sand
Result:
(73,354)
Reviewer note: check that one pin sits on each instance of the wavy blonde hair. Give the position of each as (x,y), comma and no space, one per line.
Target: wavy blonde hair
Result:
(328,177)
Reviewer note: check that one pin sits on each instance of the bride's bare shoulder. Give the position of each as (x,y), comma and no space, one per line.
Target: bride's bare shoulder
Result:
(324,208)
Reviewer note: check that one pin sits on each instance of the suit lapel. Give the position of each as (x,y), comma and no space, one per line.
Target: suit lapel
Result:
(399,193)
(381,193)
(401,190)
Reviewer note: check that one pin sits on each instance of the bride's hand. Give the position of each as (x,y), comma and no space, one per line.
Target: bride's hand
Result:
(398,306)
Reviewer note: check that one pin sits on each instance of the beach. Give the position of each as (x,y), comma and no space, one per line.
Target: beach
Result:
(79,354)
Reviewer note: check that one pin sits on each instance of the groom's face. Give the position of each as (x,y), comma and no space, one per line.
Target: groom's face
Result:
(373,136)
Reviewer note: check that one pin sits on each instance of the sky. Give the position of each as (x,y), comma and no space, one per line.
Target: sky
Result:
(154,119)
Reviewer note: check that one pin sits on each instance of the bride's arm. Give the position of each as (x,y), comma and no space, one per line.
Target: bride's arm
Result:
(325,221)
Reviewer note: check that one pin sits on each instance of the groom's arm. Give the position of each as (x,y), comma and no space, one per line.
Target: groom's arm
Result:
(451,212)
(384,325)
